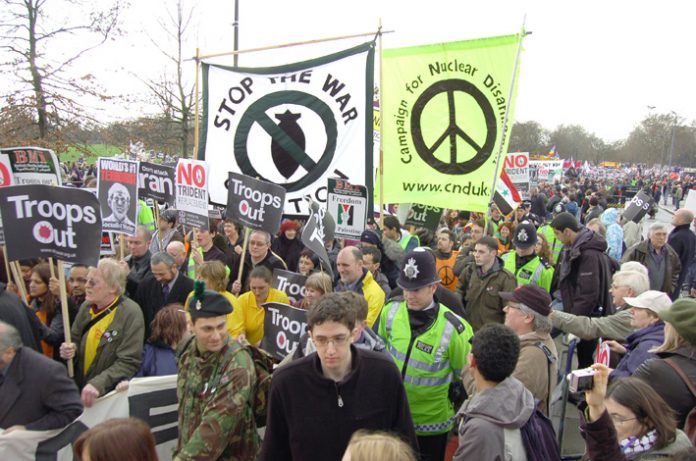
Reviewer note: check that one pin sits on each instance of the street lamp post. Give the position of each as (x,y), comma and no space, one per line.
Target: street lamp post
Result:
(236,31)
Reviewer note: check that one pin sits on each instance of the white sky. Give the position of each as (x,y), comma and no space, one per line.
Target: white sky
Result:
(598,64)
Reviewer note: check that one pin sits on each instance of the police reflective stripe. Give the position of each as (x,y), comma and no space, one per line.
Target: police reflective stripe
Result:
(422,381)
(435,427)
(390,317)
(417,364)
(444,341)
(537,274)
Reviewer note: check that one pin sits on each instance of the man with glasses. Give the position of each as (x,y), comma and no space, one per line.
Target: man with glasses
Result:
(317,402)
(260,254)
(429,344)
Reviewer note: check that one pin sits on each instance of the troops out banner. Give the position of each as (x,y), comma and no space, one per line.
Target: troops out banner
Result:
(443,109)
(49,221)
(156,182)
(314,235)
(291,283)
(425,216)
(639,205)
(151,399)
(117,189)
(192,180)
(294,125)
(347,204)
(254,203)
(283,325)
(30,165)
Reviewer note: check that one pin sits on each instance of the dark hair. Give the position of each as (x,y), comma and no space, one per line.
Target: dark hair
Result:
(648,406)
(391,222)
(169,325)
(374,252)
(496,349)
(564,221)
(452,236)
(119,439)
(490,242)
(357,302)
(236,225)
(212,227)
(261,272)
(50,303)
(309,254)
(332,307)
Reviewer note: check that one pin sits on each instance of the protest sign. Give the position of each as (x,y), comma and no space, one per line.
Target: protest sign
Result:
(690,203)
(637,207)
(549,171)
(313,237)
(156,182)
(50,221)
(347,204)
(192,193)
(293,125)
(291,283)
(517,169)
(31,165)
(117,189)
(282,328)
(425,216)
(256,204)
(151,399)
(107,244)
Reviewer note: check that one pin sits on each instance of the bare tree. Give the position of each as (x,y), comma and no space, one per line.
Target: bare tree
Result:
(171,92)
(39,50)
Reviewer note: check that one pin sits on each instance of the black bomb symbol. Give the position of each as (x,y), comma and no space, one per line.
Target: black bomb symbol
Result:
(285,163)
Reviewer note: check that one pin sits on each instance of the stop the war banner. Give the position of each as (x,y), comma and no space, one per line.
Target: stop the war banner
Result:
(283,325)
(293,125)
(347,204)
(443,109)
(117,188)
(156,182)
(151,399)
(291,283)
(192,180)
(255,203)
(49,221)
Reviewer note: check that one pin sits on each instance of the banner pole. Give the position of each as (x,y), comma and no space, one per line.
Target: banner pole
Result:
(160,238)
(286,45)
(64,311)
(121,246)
(19,280)
(504,131)
(247,233)
(196,127)
(381,134)
(7,264)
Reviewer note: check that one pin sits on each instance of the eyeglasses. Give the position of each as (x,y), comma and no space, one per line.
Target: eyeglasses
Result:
(257,244)
(620,419)
(338,341)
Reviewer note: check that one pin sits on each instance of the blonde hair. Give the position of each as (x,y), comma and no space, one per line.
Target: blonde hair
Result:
(367,446)
(113,274)
(673,340)
(214,274)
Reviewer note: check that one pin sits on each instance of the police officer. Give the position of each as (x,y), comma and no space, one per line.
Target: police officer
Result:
(524,262)
(555,244)
(215,387)
(429,344)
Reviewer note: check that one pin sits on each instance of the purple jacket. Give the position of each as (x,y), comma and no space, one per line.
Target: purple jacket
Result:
(637,346)
(158,360)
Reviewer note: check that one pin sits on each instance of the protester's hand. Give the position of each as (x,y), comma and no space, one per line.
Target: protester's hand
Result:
(197,256)
(595,396)
(89,395)
(238,249)
(54,286)
(615,347)
(124,266)
(236,287)
(67,351)
(14,428)
(11,286)
(122,386)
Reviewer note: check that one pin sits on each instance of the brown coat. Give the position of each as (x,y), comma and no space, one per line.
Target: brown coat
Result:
(533,366)
(479,293)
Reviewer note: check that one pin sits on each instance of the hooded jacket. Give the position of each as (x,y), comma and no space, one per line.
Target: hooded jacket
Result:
(638,346)
(491,422)
(615,235)
(583,276)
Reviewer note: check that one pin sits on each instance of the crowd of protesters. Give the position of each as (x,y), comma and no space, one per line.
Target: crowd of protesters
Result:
(467,312)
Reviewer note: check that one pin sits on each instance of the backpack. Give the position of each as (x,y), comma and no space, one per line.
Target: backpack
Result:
(690,423)
(539,438)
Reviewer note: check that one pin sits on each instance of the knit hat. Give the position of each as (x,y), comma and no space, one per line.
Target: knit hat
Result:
(525,235)
(532,296)
(369,236)
(681,317)
(207,303)
(656,301)
(419,270)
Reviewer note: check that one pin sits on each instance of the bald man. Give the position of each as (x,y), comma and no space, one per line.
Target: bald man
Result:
(683,240)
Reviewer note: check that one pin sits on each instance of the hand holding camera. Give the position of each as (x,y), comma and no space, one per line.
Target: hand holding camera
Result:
(595,396)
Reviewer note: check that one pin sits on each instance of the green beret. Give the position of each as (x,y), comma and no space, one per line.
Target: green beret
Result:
(207,303)
(682,316)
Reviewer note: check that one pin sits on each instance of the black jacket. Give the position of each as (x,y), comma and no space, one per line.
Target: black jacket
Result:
(14,312)
(683,241)
(150,297)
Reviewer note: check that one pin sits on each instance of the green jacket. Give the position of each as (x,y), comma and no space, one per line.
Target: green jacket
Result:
(428,362)
(215,391)
(120,349)
(555,244)
(616,327)
(535,272)
(145,216)
(479,293)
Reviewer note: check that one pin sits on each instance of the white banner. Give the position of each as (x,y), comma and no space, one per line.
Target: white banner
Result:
(192,180)
(294,125)
(150,399)
(517,169)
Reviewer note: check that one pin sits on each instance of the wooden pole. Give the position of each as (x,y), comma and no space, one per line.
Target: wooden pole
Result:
(64,311)
(160,238)
(121,246)
(196,126)
(7,264)
(381,132)
(247,233)
(19,280)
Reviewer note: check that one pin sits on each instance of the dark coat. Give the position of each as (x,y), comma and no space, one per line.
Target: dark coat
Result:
(479,293)
(139,269)
(15,313)
(37,393)
(288,250)
(683,241)
(150,297)
(583,276)
(638,345)
(666,382)
(158,360)
(641,252)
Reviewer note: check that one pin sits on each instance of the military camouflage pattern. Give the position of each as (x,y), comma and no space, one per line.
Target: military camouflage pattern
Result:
(216,421)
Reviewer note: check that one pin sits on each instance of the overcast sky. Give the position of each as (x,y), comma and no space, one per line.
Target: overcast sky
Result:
(594,63)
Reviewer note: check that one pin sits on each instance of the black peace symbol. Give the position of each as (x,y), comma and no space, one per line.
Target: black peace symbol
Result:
(256,113)
(446,275)
(427,153)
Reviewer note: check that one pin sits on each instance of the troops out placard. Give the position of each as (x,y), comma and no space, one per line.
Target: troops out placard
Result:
(283,326)
(255,203)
